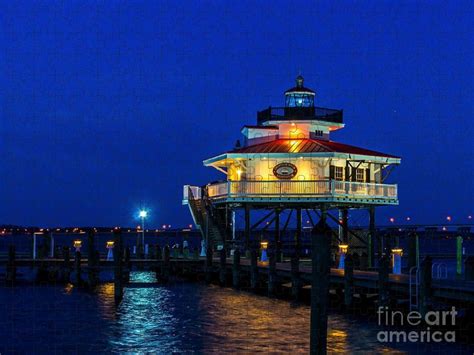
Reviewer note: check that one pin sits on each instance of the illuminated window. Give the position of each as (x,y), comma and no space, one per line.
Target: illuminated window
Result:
(339,173)
(360,175)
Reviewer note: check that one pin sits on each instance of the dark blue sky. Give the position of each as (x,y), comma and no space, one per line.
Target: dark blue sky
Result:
(106,107)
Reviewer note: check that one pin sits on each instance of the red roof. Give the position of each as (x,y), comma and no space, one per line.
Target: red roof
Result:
(307,146)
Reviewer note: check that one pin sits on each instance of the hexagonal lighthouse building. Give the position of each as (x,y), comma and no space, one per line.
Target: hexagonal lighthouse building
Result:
(288,161)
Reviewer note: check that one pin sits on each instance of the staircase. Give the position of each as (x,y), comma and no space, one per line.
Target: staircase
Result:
(210,220)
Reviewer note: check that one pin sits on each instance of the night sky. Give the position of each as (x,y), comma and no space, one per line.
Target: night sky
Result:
(109,106)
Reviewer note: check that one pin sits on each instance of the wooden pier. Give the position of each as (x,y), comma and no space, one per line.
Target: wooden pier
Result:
(364,282)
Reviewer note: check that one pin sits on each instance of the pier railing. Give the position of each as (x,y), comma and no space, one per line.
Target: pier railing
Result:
(314,188)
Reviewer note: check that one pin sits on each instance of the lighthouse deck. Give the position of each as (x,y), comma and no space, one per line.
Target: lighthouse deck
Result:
(298,191)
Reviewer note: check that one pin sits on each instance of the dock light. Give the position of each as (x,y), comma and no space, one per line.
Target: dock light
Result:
(469,217)
(77,244)
(342,255)
(448,218)
(143,214)
(110,250)
(392,219)
(264,255)
(190,226)
(397,254)
(408,219)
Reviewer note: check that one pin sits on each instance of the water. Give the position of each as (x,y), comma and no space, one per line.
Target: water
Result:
(181,317)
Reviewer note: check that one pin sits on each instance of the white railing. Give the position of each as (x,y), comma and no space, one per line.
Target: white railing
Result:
(195,190)
(315,188)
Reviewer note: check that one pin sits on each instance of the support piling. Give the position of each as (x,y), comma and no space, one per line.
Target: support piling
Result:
(348,280)
(236,269)
(320,260)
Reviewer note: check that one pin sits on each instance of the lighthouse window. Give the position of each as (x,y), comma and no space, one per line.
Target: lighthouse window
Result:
(300,100)
(339,173)
(360,175)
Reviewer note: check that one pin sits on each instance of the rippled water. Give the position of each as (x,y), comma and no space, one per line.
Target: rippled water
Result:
(182,317)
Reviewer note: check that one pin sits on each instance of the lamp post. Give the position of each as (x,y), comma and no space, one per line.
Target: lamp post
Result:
(143,214)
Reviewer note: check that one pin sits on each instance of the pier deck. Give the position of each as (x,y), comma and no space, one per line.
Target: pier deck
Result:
(364,281)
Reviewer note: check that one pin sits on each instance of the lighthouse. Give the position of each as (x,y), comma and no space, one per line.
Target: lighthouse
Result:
(288,161)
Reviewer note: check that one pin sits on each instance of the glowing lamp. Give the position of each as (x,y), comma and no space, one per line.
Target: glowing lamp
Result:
(342,255)
(397,254)
(397,251)
(343,248)
(448,218)
(77,245)
(110,246)
(143,214)
(264,255)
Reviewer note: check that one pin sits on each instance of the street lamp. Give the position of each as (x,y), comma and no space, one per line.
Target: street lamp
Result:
(143,214)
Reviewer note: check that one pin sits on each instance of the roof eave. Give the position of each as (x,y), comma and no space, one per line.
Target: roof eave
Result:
(372,158)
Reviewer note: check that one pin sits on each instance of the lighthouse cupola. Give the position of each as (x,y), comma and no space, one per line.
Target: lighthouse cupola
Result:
(299,96)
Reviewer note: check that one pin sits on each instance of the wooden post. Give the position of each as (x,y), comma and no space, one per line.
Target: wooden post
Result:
(277,236)
(158,258)
(320,260)
(128,264)
(295,259)
(222,267)
(92,263)
(371,238)
(66,265)
(253,268)
(425,284)
(208,266)
(345,226)
(158,252)
(236,269)
(77,267)
(469,268)
(11,267)
(165,267)
(118,263)
(295,277)
(412,250)
(247,227)
(348,280)
(298,233)
(384,295)
(272,270)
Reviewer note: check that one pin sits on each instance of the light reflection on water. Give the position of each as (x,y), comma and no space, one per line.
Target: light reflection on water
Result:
(182,317)
(190,317)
